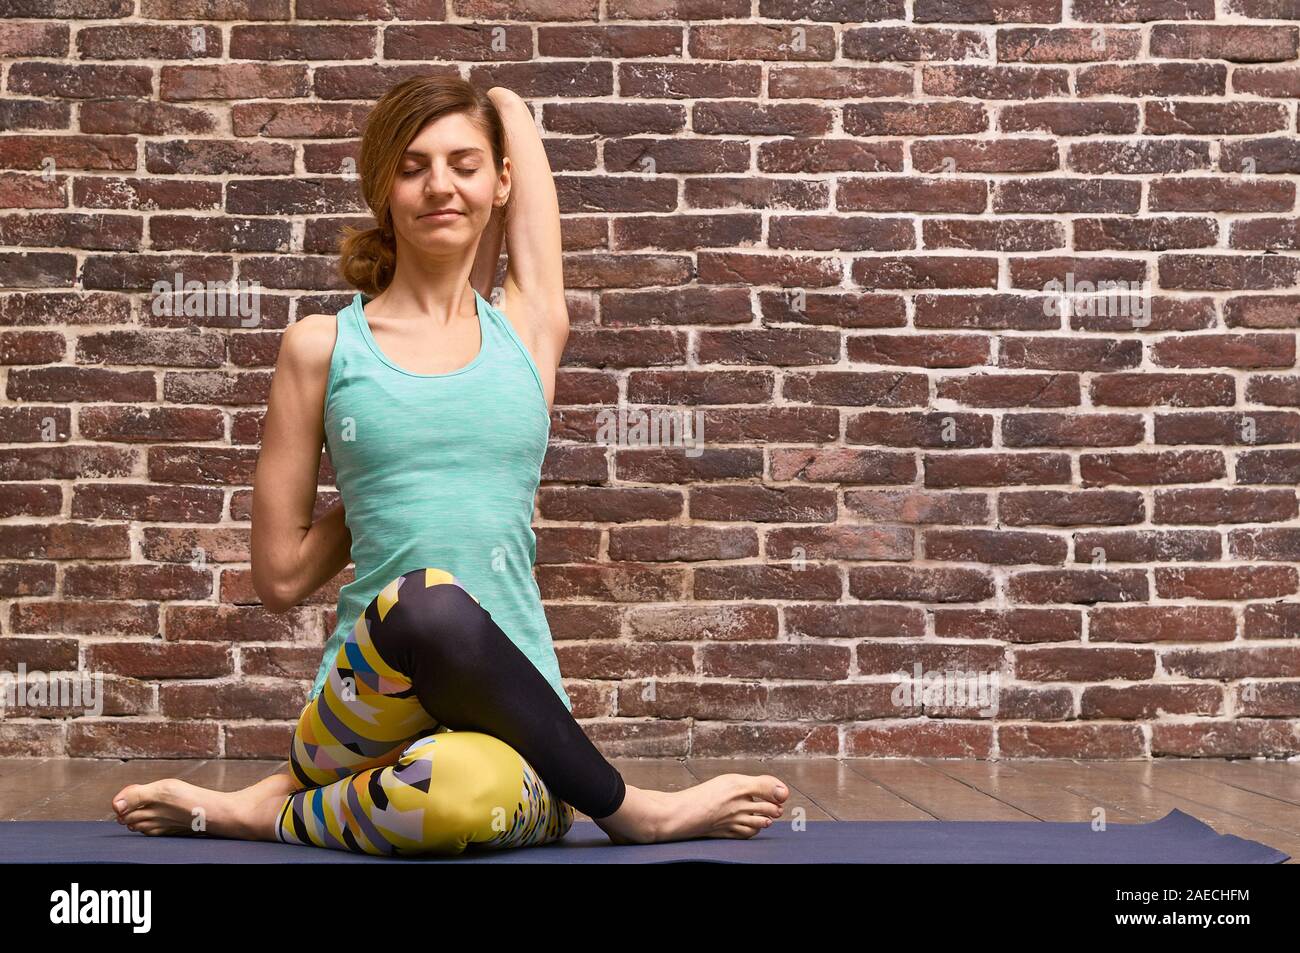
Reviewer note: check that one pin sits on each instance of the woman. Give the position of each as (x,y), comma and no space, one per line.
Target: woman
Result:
(437,719)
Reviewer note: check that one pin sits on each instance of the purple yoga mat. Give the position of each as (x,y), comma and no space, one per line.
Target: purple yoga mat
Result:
(1177,838)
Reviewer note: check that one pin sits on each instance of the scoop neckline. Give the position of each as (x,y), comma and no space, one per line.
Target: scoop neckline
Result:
(359,302)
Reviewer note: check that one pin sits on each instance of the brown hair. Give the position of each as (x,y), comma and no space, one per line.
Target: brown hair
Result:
(368,256)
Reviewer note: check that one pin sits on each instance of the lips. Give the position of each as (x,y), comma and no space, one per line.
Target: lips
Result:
(441,213)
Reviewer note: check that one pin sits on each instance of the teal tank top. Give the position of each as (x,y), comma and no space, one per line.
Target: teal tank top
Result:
(440,470)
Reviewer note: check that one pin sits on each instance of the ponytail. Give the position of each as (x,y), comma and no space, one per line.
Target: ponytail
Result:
(367,258)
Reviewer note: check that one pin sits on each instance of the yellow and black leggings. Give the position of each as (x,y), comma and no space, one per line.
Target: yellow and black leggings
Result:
(434,732)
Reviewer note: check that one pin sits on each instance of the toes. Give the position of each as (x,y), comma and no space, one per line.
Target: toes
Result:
(137,813)
(141,815)
(773,789)
(763,787)
(136,797)
(128,798)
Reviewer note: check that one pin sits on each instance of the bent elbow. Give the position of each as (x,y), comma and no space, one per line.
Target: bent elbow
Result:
(275,598)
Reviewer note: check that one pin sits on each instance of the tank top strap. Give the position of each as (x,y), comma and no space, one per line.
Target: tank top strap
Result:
(489,323)
(346,340)
(510,344)
(347,330)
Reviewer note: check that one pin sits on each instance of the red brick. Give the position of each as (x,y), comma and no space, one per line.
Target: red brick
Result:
(1105,742)
(1235,43)
(1161,624)
(1065,663)
(856,388)
(1144,546)
(985,155)
(1237,582)
(1149,701)
(1152,79)
(1070,118)
(1269,466)
(1044,196)
(1146,469)
(1009,625)
(1011,390)
(868,620)
(1199,118)
(925,271)
(987,311)
(994,82)
(1226,350)
(1219,505)
(996,469)
(841,542)
(1271,620)
(1273,543)
(1138,11)
(986,11)
(1175,390)
(1146,157)
(996,547)
(1070,430)
(919,350)
(938,429)
(1227,272)
(1255,427)
(1235,738)
(913,506)
(1078,585)
(1069,508)
(1067,45)
(1197,194)
(978,235)
(1089,354)
(912,195)
(1152,234)
(912,44)
(915,584)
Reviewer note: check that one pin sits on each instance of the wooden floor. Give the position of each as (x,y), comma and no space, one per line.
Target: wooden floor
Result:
(1258,800)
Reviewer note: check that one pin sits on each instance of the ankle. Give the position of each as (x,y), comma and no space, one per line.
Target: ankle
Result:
(641,814)
(282,784)
(260,806)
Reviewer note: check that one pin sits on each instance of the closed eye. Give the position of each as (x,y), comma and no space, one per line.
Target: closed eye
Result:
(410,172)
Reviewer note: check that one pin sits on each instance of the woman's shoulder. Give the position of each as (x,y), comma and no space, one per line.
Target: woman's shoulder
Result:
(308,344)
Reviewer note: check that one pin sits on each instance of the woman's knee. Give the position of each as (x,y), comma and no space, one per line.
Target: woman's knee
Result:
(424,602)
(467,785)
(420,607)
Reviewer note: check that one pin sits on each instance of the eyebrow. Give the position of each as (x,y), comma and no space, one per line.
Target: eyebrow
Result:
(416,154)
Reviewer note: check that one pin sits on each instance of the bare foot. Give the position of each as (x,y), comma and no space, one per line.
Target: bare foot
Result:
(730,805)
(172,806)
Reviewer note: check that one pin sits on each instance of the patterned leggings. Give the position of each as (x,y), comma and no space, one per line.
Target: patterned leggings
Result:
(434,732)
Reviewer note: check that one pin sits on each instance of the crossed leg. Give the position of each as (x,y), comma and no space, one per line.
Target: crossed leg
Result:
(381,775)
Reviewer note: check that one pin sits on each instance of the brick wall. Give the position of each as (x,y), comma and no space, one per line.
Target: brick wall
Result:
(859,238)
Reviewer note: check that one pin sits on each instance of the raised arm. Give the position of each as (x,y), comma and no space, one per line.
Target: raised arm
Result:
(292,557)
(534,288)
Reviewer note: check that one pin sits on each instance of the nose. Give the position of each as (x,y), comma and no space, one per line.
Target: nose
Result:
(438,181)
